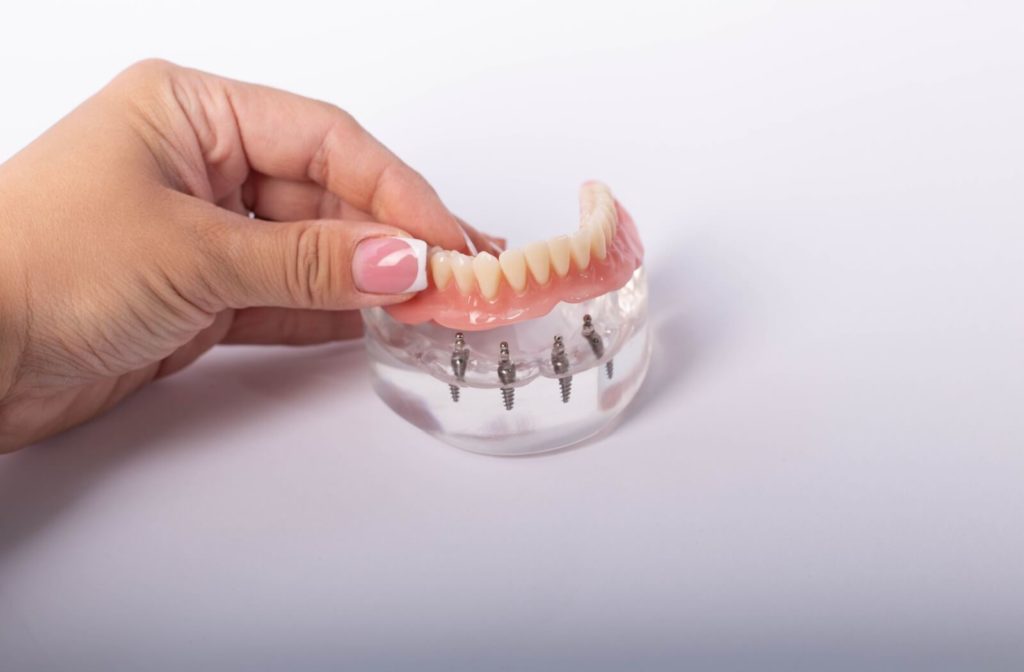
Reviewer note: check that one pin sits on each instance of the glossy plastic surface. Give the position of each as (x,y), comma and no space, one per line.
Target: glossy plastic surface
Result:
(412,371)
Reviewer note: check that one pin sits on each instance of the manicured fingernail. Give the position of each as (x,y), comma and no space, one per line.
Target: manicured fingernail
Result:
(390,265)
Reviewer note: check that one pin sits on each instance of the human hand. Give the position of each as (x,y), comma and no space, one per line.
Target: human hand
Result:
(128,250)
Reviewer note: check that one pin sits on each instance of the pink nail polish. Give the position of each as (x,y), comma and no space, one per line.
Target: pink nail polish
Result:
(390,265)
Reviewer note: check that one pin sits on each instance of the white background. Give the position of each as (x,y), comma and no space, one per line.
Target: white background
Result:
(824,469)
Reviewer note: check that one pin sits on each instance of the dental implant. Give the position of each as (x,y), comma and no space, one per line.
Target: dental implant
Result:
(596,344)
(507,376)
(460,357)
(560,363)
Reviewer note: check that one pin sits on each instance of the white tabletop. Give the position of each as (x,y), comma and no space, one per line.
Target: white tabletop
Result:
(823,470)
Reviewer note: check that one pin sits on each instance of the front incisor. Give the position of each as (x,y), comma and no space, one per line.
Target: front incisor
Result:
(558,248)
(579,247)
(488,274)
(462,269)
(539,262)
(440,269)
(513,265)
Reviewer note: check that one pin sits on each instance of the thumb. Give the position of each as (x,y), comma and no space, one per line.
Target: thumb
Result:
(320,264)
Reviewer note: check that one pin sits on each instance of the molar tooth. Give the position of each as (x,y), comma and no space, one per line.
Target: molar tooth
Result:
(488,274)
(539,262)
(513,265)
(558,248)
(579,246)
(441,269)
(598,242)
(462,269)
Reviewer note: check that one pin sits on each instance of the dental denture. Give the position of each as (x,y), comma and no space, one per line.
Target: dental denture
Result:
(482,292)
(466,358)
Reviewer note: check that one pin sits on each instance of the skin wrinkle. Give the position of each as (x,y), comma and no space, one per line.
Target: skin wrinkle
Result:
(318,168)
(205,136)
(308,262)
(226,92)
(220,148)
(376,204)
(174,164)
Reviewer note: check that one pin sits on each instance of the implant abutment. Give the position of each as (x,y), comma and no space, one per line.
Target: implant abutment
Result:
(560,364)
(460,357)
(507,376)
(596,343)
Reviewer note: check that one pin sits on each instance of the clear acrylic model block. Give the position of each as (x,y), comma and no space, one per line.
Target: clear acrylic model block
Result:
(415,373)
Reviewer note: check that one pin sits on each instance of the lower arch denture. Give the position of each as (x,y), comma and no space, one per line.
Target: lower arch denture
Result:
(485,291)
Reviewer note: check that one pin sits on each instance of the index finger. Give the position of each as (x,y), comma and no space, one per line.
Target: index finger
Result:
(288,136)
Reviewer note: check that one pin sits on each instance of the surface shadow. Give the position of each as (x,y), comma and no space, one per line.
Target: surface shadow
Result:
(41,482)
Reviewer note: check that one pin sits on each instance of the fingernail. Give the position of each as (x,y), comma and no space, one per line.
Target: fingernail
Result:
(390,265)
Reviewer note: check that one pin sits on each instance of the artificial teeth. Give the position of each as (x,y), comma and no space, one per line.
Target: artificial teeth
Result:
(441,269)
(483,273)
(462,269)
(598,242)
(558,249)
(608,225)
(579,247)
(513,265)
(539,262)
(488,274)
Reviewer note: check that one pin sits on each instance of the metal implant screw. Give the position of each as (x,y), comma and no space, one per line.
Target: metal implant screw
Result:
(507,376)
(596,344)
(460,357)
(560,363)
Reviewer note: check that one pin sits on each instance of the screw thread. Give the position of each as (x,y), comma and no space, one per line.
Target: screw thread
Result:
(609,369)
(566,386)
(455,392)
(508,395)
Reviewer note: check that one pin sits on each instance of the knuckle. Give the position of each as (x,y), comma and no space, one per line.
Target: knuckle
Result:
(211,265)
(203,263)
(145,90)
(311,270)
(334,135)
(147,71)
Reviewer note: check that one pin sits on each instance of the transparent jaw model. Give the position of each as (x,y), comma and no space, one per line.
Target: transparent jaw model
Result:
(520,386)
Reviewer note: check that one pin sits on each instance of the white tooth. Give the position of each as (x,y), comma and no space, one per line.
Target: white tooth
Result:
(462,269)
(488,274)
(609,234)
(539,262)
(441,269)
(608,219)
(558,248)
(513,264)
(579,246)
(598,244)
